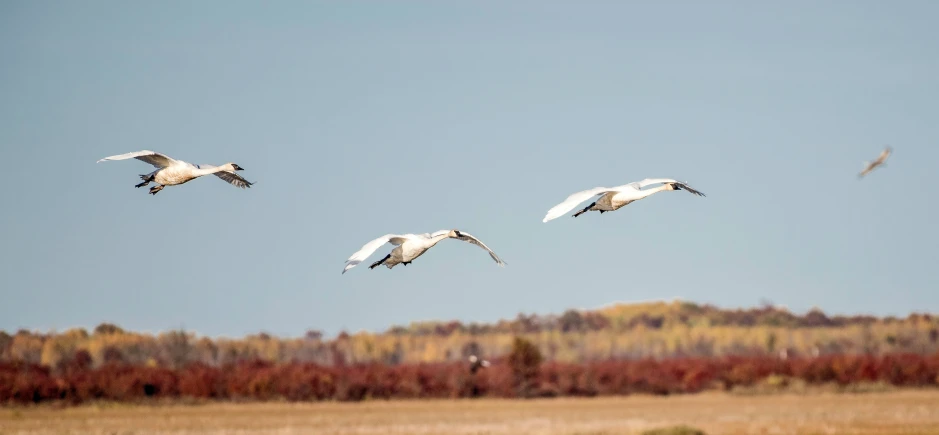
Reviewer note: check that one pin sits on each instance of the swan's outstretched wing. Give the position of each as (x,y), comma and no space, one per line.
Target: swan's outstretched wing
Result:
(572,202)
(233,179)
(680,185)
(685,186)
(884,154)
(433,234)
(230,177)
(649,181)
(467,237)
(154,158)
(371,247)
(870,166)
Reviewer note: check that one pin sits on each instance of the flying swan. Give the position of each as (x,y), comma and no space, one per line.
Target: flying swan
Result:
(880,161)
(411,246)
(614,198)
(476,363)
(171,172)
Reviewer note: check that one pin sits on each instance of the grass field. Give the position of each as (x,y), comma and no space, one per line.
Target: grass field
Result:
(898,412)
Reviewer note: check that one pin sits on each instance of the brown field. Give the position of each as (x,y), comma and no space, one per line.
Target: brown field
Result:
(895,412)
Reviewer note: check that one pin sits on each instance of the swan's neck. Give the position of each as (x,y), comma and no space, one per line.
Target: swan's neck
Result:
(437,239)
(206,171)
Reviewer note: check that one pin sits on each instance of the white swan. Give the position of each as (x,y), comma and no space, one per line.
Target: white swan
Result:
(411,246)
(614,198)
(880,161)
(171,172)
(476,363)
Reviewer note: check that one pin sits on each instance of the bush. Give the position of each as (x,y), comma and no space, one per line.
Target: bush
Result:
(522,374)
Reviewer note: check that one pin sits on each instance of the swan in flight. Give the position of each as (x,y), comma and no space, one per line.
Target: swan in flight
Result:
(880,161)
(614,198)
(411,246)
(171,172)
(476,364)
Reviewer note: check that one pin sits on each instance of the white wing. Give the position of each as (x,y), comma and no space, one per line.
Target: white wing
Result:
(154,158)
(680,185)
(884,154)
(431,235)
(572,202)
(371,247)
(230,177)
(648,181)
(467,237)
(869,166)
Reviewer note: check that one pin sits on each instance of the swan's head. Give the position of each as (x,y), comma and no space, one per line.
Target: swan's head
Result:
(455,234)
(233,167)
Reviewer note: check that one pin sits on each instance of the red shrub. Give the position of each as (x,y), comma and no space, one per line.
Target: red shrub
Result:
(76,381)
(202,381)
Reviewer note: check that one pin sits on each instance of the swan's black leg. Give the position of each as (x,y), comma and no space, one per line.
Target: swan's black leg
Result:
(146,181)
(406,263)
(155,189)
(379,262)
(586,209)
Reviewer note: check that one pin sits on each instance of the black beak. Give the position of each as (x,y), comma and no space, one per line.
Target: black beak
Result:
(239,168)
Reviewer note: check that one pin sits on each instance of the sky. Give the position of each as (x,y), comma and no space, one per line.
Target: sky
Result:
(358,119)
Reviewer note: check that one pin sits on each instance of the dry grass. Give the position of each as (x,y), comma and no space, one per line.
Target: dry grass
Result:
(895,412)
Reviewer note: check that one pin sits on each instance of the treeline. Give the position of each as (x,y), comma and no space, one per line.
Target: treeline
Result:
(625,331)
(522,373)
(653,315)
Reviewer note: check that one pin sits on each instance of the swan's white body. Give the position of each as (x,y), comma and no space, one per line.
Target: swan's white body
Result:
(614,198)
(411,246)
(881,159)
(172,172)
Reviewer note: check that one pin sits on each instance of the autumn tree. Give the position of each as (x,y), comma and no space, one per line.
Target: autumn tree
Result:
(5,341)
(571,321)
(524,361)
(107,329)
(113,355)
(175,348)
(471,348)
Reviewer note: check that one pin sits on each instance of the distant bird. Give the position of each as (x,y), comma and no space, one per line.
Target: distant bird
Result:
(614,198)
(171,172)
(880,161)
(476,364)
(411,246)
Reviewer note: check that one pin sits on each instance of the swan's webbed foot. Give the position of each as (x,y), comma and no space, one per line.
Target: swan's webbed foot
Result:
(155,189)
(379,262)
(146,181)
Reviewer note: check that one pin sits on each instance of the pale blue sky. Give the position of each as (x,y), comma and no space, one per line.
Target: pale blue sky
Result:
(358,119)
